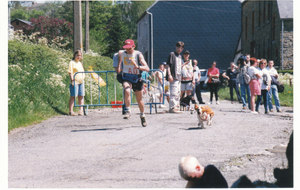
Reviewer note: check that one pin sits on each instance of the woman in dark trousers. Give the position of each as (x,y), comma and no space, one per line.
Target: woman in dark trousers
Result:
(213,81)
(231,75)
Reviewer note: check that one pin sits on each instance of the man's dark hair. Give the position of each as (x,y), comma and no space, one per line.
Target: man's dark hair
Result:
(180,44)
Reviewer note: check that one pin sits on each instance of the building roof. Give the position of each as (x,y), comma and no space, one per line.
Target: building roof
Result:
(24,21)
(285,8)
(209,29)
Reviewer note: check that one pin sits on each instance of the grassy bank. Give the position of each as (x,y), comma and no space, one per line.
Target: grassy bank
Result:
(38,82)
(286,98)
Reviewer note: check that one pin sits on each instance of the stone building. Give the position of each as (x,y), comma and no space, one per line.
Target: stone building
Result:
(267,31)
(20,24)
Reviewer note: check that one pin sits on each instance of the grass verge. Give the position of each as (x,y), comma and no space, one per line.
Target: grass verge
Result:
(286,97)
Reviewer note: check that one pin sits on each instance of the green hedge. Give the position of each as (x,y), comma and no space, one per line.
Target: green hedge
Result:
(286,71)
(38,82)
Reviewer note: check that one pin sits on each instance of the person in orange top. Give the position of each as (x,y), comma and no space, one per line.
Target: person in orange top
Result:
(213,81)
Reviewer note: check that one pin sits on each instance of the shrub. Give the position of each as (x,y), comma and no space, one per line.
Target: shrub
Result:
(286,71)
(58,32)
(38,82)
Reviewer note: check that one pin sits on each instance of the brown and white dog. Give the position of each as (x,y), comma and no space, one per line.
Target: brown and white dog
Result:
(204,113)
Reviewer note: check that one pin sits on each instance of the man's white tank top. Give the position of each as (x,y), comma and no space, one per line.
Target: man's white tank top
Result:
(128,67)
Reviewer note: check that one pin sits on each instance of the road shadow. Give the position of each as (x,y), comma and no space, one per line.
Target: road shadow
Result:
(234,111)
(105,129)
(191,128)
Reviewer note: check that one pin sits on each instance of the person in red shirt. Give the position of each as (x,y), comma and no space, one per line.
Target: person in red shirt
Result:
(213,81)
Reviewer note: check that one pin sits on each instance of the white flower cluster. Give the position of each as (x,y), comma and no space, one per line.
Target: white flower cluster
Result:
(91,53)
(19,35)
(91,89)
(15,67)
(34,38)
(55,81)
(60,41)
(285,78)
(10,34)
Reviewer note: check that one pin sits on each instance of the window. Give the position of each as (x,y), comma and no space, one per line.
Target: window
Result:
(252,23)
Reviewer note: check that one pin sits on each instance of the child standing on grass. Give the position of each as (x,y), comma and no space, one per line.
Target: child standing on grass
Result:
(76,89)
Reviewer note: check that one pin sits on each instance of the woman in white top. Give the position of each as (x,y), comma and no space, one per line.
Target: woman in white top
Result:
(265,83)
(187,75)
(254,85)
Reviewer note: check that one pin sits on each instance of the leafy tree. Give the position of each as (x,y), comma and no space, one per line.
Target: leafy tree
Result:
(131,12)
(24,13)
(110,24)
(117,31)
(56,31)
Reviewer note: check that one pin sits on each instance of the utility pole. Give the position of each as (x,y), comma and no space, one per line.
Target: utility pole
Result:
(77,25)
(87,26)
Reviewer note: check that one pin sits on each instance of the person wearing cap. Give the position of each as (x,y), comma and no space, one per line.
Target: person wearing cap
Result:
(187,78)
(174,63)
(131,62)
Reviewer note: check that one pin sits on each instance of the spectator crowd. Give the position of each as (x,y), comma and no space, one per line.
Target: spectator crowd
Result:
(254,80)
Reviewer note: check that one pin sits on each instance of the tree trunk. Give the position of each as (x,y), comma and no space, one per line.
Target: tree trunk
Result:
(87,26)
(77,25)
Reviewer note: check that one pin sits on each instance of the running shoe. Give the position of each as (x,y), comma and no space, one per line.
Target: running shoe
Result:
(126,114)
(143,120)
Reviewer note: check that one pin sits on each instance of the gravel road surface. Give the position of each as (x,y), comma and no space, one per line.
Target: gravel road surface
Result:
(103,150)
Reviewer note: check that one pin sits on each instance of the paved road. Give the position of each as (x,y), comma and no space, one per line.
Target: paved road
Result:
(103,150)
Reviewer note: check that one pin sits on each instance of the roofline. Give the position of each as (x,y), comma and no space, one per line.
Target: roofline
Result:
(147,10)
(245,1)
(152,5)
(141,17)
(24,21)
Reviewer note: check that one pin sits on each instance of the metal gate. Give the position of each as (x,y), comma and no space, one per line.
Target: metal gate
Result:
(99,90)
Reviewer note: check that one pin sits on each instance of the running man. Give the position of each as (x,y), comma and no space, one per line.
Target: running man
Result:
(131,62)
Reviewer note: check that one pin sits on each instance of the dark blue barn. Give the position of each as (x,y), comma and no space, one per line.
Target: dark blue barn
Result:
(209,29)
